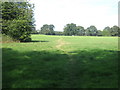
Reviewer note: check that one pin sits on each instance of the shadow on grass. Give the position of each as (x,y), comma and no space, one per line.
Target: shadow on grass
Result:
(35,41)
(42,69)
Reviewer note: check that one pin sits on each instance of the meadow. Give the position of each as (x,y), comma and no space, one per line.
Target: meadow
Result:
(61,62)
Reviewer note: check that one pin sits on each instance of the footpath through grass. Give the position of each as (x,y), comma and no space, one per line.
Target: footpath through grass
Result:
(61,62)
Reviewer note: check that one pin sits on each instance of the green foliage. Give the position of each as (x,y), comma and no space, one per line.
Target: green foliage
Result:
(87,32)
(80,31)
(99,33)
(20,30)
(91,31)
(17,18)
(34,31)
(106,31)
(58,33)
(114,30)
(47,29)
(70,29)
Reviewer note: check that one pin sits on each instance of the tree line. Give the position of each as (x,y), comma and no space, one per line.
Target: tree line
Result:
(73,29)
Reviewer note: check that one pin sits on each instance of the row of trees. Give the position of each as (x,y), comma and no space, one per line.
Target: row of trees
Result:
(17,20)
(73,29)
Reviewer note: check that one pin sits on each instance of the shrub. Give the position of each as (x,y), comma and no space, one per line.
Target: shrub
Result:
(19,30)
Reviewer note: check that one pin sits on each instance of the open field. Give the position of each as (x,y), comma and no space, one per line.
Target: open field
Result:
(61,62)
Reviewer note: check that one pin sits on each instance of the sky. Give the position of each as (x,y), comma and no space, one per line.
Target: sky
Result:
(100,13)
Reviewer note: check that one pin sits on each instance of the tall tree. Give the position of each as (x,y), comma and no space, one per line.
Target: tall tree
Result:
(17,20)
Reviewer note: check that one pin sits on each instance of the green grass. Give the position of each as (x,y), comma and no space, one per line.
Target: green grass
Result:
(6,39)
(61,62)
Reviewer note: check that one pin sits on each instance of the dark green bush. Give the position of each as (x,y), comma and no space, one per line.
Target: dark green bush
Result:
(17,20)
(20,30)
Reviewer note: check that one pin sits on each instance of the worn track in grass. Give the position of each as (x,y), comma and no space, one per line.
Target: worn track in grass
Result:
(60,44)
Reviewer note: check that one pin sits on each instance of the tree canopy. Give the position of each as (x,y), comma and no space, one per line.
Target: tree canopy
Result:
(47,29)
(73,29)
(17,20)
(91,31)
(70,29)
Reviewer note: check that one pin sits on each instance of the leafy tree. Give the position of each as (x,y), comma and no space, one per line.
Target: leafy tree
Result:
(17,20)
(87,32)
(20,30)
(106,31)
(114,30)
(51,27)
(47,29)
(80,31)
(91,31)
(99,33)
(70,29)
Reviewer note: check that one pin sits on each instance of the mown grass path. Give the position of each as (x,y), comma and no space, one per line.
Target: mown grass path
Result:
(59,46)
(71,73)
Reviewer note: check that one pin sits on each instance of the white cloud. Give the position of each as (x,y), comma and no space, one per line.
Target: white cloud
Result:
(100,13)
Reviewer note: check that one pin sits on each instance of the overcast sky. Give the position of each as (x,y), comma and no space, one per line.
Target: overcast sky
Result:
(100,13)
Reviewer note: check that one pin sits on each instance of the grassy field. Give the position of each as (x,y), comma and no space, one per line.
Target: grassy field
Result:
(61,62)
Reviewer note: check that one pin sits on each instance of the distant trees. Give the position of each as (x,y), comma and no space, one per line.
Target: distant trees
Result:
(47,29)
(34,31)
(106,31)
(73,29)
(91,31)
(80,31)
(113,31)
(99,33)
(70,29)
(59,33)
(94,30)
(17,20)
